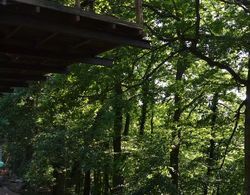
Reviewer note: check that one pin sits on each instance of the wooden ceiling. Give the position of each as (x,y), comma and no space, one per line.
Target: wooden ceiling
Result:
(38,37)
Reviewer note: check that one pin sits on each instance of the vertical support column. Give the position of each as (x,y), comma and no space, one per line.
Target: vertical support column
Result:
(139,12)
(77,3)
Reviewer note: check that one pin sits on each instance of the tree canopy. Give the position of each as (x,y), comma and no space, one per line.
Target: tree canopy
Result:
(171,120)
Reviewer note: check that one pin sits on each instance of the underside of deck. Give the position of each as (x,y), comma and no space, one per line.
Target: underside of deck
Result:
(38,37)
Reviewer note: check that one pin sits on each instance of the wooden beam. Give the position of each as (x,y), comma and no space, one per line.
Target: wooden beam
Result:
(80,44)
(41,54)
(32,67)
(46,39)
(13,32)
(48,26)
(29,71)
(99,61)
(13,83)
(22,77)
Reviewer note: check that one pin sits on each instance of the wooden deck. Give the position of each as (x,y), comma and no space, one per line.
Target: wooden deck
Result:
(38,37)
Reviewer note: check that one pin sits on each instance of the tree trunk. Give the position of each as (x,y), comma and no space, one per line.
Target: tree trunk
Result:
(174,153)
(247,135)
(176,134)
(97,182)
(139,12)
(145,90)
(127,123)
(214,109)
(87,183)
(106,183)
(76,177)
(59,188)
(117,169)
(78,183)
(152,121)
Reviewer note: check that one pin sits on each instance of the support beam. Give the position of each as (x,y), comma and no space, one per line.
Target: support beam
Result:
(99,61)
(46,39)
(32,67)
(83,43)
(22,77)
(48,26)
(12,33)
(13,83)
(71,58)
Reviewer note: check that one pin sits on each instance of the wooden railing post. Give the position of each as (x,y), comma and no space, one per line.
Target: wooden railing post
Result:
(139,12)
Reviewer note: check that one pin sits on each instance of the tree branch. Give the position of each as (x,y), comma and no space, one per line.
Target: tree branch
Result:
(146,76)
(162,14)
(161,38)
(219,65)
(194,100)
(243,4)
(237,117)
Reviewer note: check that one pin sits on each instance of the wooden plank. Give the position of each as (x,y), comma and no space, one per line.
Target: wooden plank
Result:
(47,26)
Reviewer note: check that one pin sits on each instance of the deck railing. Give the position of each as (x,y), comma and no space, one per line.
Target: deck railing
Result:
(138,8)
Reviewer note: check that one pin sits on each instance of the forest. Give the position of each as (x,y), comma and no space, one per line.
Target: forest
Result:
(174,119)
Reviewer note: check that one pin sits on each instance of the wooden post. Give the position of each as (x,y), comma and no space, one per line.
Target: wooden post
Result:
(139,12)
(77,4)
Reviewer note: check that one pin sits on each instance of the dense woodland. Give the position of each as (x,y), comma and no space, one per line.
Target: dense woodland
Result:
(170,120)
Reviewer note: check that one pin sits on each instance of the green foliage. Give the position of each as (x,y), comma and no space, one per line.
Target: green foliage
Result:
(65,126)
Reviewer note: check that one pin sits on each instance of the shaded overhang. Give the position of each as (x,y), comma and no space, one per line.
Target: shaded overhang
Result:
(38,37)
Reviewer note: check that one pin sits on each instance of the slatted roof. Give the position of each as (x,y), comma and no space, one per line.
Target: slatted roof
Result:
(38,37)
